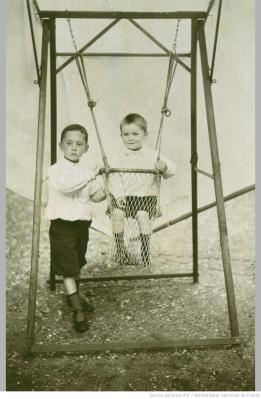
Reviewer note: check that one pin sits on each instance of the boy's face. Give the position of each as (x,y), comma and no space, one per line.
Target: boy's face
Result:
(133,136)
(73,145)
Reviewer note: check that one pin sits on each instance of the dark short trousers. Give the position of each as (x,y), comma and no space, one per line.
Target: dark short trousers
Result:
(135,204)
(68,245)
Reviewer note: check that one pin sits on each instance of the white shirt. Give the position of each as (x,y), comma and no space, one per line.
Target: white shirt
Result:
(70,189)
(136,184)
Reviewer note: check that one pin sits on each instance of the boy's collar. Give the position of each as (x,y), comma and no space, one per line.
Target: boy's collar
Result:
(141,151)
(66,160)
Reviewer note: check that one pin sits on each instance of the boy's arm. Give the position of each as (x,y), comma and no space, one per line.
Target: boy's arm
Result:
(171,167)
(116,185)
(69,180)
(97,191)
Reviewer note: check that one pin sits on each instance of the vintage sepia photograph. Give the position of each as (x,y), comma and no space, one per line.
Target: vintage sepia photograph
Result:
(130,195)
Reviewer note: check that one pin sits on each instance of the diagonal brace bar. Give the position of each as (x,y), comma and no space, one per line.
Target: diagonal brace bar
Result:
(154,40)
(33,41)
(204,208)
(181,63)
(37,11)
(211,3)
(215,41)
(37,7)
(93,40)
(203,172)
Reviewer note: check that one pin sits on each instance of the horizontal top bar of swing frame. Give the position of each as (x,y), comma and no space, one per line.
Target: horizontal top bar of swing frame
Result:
(180,55)
(135,346)
(124,14)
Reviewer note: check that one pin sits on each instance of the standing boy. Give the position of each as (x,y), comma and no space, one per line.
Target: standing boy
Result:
(70,189)
(133,195)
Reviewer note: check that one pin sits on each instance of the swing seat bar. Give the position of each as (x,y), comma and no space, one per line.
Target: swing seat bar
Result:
(132,170)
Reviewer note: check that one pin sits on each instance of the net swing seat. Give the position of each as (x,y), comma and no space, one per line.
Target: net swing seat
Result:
(132,219)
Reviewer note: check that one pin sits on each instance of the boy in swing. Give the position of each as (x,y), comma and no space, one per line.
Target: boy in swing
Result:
(135,196)
(71,188)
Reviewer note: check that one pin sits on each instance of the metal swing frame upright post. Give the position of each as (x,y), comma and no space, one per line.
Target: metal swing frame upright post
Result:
(197,34)
(194,154)
(38,190)
(53,101)
(224,243)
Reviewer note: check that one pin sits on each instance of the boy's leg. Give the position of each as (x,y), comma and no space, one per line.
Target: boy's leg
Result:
(117,217)
(82,243)
(144,223)
(63,242)
(80,323)
(88,307)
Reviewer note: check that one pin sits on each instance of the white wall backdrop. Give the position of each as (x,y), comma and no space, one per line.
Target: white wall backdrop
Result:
(124,85)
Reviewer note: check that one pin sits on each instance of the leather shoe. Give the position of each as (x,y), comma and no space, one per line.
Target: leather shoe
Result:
(80,323)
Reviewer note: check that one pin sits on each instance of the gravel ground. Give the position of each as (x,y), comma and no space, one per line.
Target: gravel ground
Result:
(155,310)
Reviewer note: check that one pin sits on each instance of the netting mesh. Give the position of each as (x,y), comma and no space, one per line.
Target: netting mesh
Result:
(133,205)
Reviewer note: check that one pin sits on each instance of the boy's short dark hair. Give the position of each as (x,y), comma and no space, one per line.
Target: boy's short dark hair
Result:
(134,118)
(75,126)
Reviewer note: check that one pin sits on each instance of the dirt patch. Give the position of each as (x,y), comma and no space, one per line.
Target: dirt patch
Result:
(155,310)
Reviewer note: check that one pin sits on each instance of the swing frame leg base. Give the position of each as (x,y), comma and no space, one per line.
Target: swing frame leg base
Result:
(28,355)
(213,343)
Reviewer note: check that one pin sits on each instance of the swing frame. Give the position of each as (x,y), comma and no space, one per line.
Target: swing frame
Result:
(198,20)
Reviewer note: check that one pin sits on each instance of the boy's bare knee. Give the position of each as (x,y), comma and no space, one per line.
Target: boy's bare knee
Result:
(144,222)
(142,215)
(118,213)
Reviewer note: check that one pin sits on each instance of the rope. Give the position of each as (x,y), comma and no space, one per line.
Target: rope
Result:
(91,102)
(91,105)
(165,111)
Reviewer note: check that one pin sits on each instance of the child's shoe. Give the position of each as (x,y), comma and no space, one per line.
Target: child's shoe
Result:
(80,323)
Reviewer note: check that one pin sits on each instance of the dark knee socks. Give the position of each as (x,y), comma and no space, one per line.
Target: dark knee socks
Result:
(75,301)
